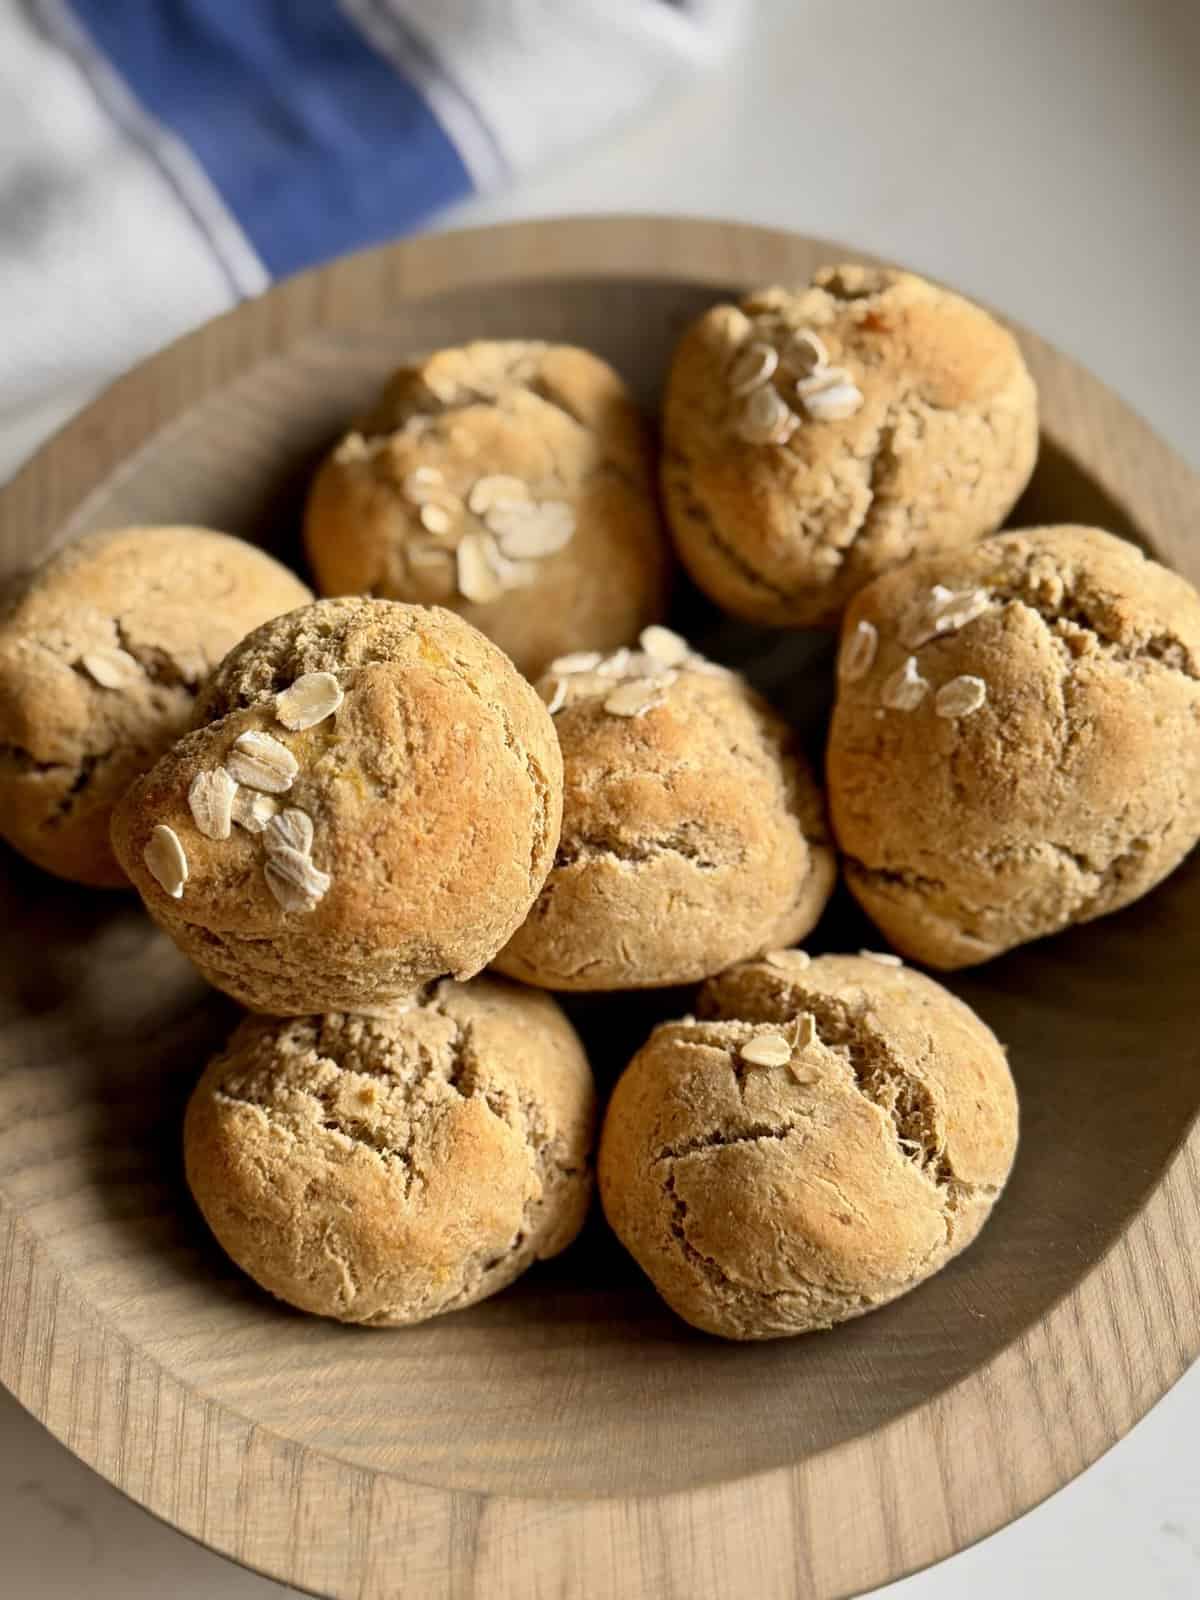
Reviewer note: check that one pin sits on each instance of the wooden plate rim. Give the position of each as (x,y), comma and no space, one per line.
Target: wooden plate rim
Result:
(861,1514)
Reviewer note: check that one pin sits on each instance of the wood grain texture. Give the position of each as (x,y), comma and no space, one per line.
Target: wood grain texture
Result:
(570,1437)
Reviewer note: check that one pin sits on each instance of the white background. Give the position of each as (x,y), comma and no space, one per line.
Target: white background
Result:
(1046,158)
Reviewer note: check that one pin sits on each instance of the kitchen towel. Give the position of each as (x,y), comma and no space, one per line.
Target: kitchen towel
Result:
(161,159)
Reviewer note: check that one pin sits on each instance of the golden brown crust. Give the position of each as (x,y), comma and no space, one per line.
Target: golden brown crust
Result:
(435,795)
(387,1169)
(1072,790)
(558,419)
(771,1200)
(161,606)
(937,454)
(693,835)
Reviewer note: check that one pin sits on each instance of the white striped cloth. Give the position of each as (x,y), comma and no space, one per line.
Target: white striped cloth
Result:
(160,159)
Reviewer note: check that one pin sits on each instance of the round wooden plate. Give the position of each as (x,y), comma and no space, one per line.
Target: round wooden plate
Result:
(570,1437)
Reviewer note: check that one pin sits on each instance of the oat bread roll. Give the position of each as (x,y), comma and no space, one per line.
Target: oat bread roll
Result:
(693,831)
(825,1137)
(510,481)
(1016,742)
(371,801)
(102,651)
(815,437)
(386,1169)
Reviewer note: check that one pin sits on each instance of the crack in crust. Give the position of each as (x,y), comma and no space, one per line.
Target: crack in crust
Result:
(718,1139)
(850,1180)
(379,464)
(656,818)
(819,1299)
(342,1050)
(160,666)
(228,692)
(936,455)
(160,603)
(430,708)
(19,762)
(584,848)
(160,669)
(515,367)
(1077,614)
(25,763)
(560,421)
(678,471)
(518,372)
(355,1132)
(882,466)
(884,1080)
(878,1076)
(1165,649)
(1113,641)
(1096,881)
(67,801)
(554,397)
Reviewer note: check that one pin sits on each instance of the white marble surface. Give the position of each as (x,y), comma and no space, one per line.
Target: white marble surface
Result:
(1041,154)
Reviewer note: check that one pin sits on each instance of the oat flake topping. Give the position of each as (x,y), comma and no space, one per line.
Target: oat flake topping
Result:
(313,697)
(905,688)
(883,958)
(766,1050)
(960,697)
(296,884)
(210,799)
(165,860)
(253,811)
(494,538)
(858,652)
(631,699)
(787,960)
(824,393)
(262,762)
(111,669)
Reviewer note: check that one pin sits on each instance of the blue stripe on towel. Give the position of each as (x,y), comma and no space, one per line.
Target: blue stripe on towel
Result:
(315,143)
